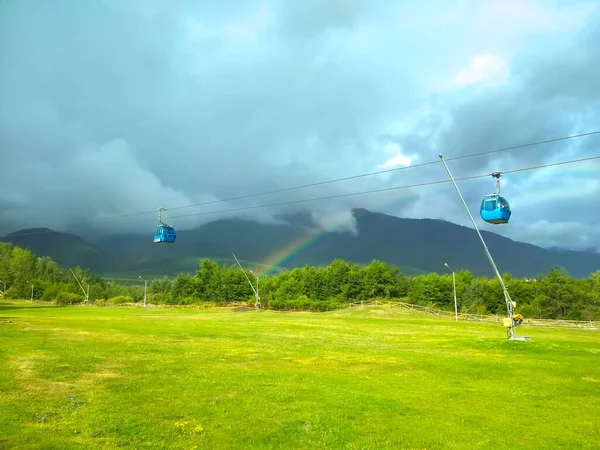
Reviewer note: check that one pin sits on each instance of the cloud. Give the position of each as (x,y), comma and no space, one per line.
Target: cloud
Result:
(398,159)
(115,108)
(250,27)
(526,16)
(482,67)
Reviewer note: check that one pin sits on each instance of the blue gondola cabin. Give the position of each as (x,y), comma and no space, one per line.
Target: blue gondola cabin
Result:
(164,235)
(495,209)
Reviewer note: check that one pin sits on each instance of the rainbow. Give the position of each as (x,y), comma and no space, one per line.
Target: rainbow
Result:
(282,255)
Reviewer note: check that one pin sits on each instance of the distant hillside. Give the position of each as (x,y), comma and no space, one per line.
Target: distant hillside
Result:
(426,244)
(415,245)
(66,249)
(250,241)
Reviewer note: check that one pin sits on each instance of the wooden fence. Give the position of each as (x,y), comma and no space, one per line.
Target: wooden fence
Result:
(491,318)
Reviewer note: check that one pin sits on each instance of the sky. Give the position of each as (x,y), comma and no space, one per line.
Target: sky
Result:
(111,109)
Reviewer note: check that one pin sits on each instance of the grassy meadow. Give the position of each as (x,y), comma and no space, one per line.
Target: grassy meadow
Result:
(158,378)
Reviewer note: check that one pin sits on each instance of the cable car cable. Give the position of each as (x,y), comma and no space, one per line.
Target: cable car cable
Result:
(320,183)
(373,191)
(363,175)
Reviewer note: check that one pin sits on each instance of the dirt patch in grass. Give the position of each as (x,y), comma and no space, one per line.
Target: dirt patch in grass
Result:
(242,309)
(23,365)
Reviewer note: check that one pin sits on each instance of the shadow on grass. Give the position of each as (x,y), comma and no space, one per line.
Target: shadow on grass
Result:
(15,307)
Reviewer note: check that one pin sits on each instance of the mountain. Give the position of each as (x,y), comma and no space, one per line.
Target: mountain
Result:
(414,245)
(66,249)
(427,244)
(252,242)
(594,250)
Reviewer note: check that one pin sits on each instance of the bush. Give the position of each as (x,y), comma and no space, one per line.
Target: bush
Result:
(67,298)
(119,300)
(186,301)
(51,292)
(12,294)
(161,298)
(528,311)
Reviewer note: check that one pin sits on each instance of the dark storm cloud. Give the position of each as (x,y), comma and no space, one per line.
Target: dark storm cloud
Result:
(173,111)
(112,107)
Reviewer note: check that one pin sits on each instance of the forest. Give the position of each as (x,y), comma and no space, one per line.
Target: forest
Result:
(555,295)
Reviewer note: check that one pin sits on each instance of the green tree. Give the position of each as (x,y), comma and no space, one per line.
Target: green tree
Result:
(378,280)
(184,286)
(335,277)
(22,269)
(352,289)
(210,286)
(432,290)
(473,297)
(558,293)
(234,284)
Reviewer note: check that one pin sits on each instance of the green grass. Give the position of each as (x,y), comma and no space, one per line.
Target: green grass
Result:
(77,377)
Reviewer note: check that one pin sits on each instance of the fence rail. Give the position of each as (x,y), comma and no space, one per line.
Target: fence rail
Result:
(492,318)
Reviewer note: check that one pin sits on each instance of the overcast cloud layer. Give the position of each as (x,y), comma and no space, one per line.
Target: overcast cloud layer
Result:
(109,108)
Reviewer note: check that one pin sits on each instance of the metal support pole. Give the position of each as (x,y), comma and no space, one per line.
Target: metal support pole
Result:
(509,302)
(145,288)
(256,296)
(454,290)
(80,285)
(455,305)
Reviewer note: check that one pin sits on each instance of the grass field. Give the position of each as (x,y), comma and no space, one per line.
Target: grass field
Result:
(92,377)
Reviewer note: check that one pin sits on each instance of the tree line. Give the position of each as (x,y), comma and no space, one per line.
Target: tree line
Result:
(554,295)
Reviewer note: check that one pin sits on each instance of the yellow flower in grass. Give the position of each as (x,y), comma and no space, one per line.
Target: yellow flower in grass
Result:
(184,426)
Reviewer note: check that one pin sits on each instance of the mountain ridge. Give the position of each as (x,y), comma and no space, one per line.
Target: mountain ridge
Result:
(65,248)
(414,245)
